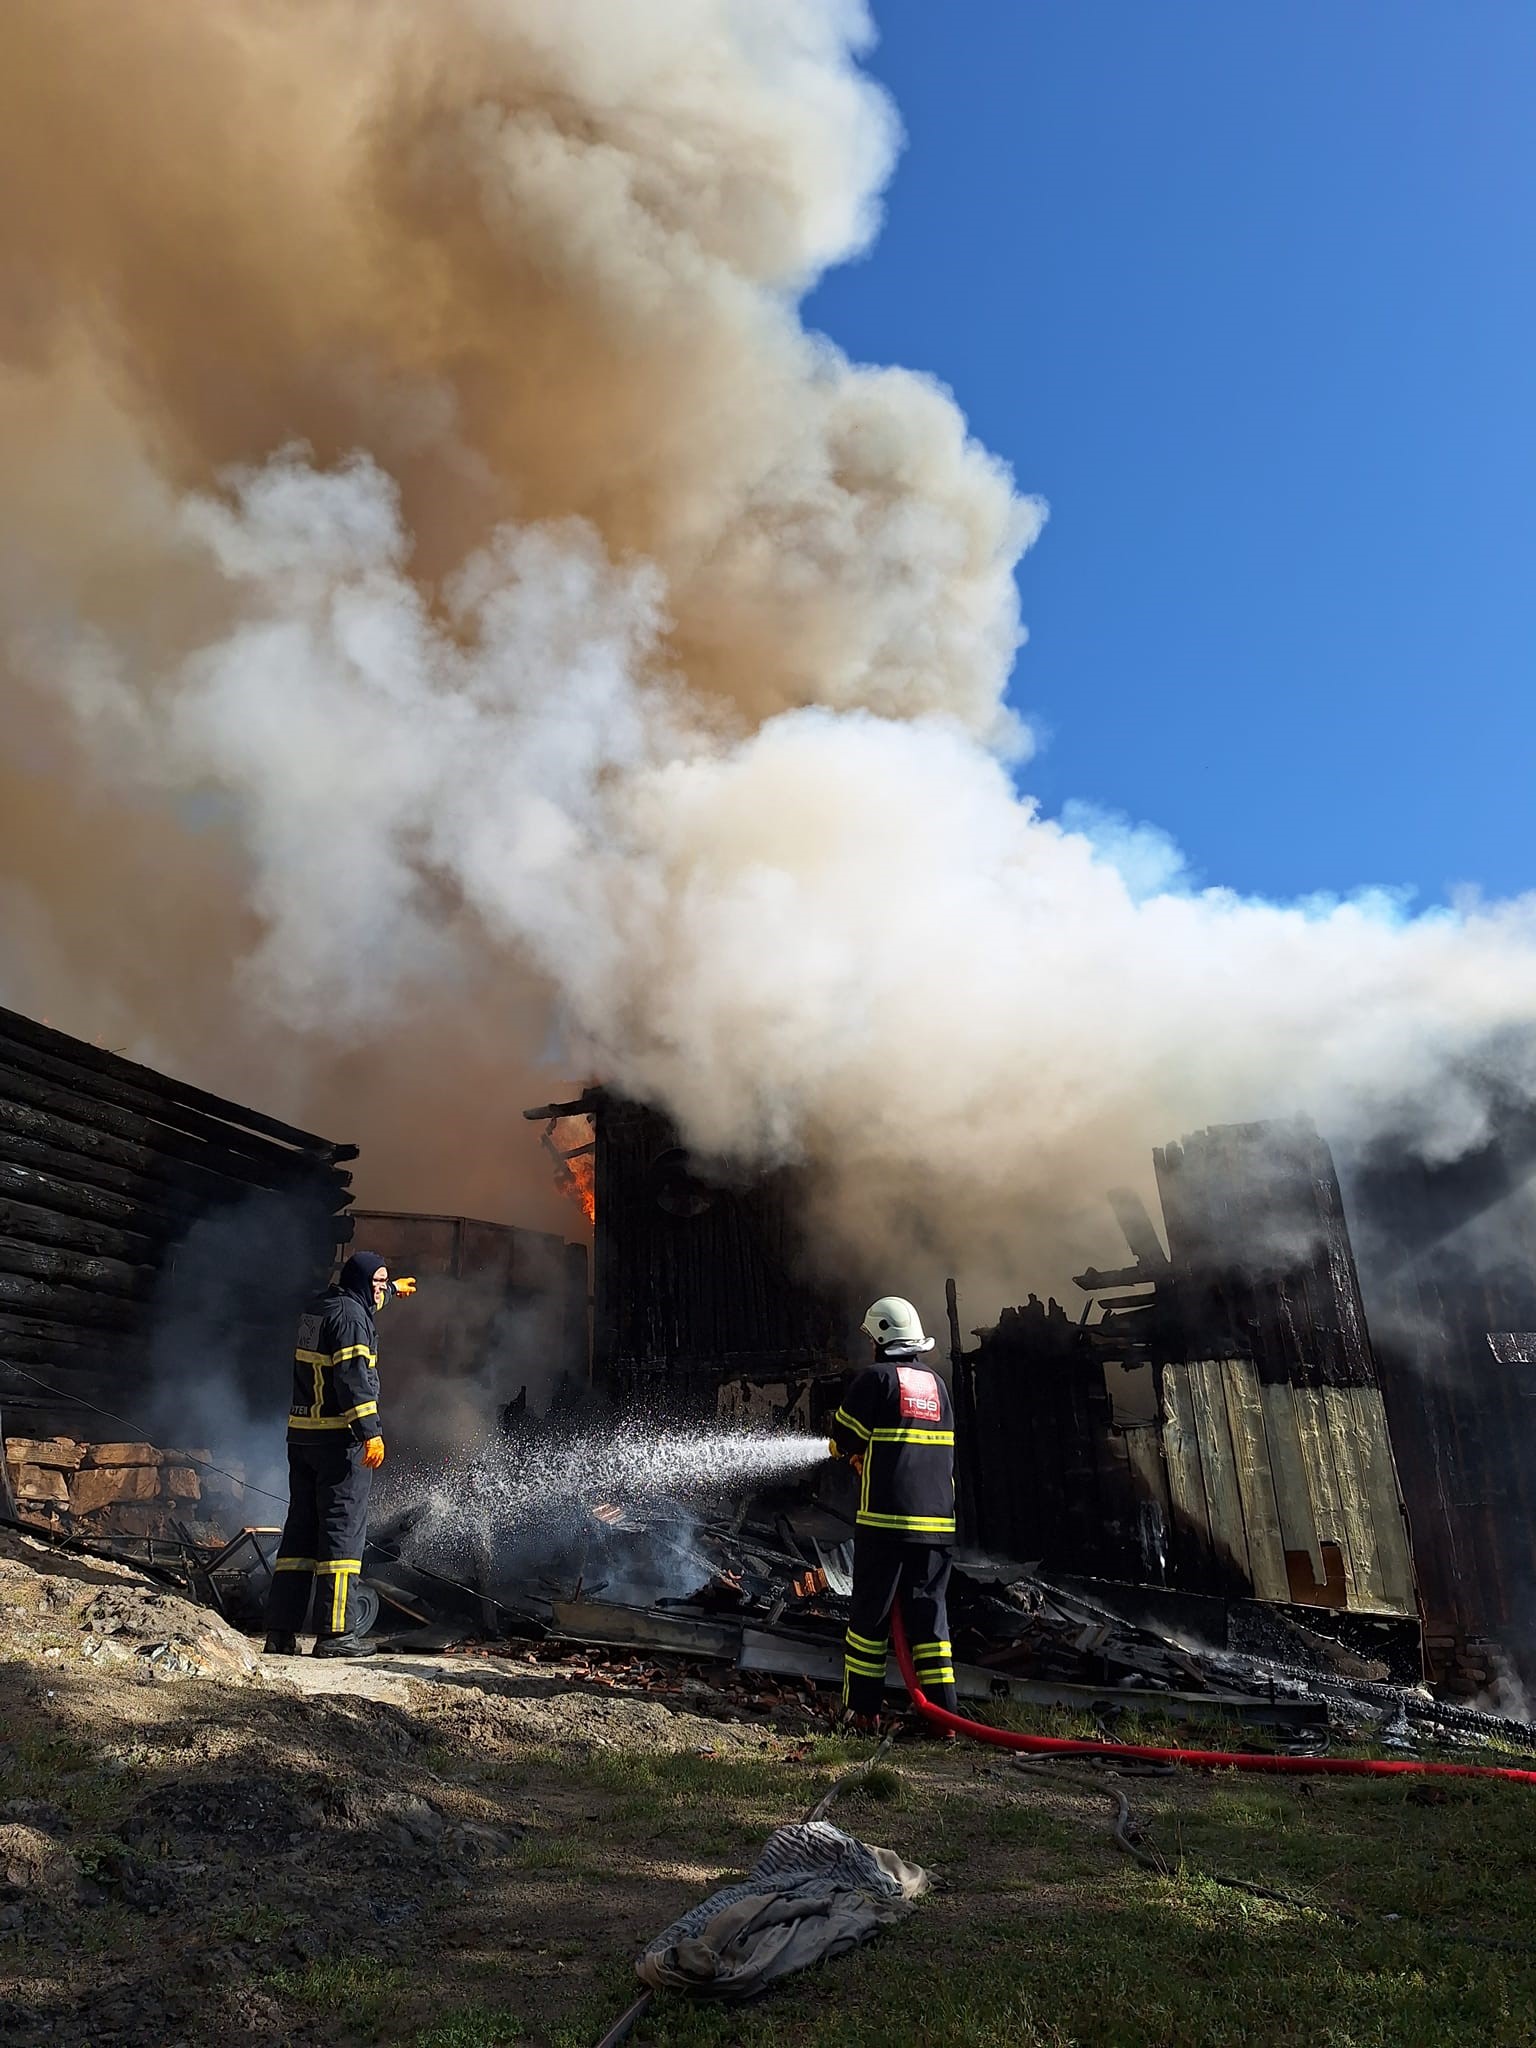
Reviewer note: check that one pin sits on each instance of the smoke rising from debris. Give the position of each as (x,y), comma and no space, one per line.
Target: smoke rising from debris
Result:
(457,617)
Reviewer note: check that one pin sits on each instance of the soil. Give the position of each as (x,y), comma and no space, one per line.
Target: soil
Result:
(198,1842)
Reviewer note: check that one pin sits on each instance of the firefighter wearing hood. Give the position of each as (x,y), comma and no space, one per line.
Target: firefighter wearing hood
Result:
(335,1445)
(897,1428)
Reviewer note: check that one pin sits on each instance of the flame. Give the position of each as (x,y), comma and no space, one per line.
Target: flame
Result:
(581,1184)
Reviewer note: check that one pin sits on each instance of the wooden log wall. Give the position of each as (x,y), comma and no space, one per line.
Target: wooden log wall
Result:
(119,1187)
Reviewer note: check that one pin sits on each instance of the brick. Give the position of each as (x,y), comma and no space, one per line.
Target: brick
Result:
(98,1487)
(58,1451)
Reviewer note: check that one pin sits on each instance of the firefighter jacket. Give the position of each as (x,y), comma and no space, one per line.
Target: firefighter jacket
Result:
(336,1371)
(897,1417)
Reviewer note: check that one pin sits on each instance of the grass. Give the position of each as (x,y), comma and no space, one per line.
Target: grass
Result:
(470,2026)
(1406,1918)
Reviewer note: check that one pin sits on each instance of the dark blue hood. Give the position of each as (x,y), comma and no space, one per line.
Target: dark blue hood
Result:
(356,1277)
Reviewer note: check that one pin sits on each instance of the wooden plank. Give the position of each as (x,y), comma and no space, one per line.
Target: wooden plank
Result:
(1229,1536)
(1312,1436)
(44,1084)
(1261,1512)
(1350,1454)
(1181,1456)
(28,1224)
(166,1205)
(77,1269)
(1293,1495)
(1357,1420)
(69,1305)
(110,1074)
(69,1197)
(220,1178)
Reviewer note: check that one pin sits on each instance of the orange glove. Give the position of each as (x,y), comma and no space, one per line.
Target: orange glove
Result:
(373,1453)
(857,1462)
(404,1288)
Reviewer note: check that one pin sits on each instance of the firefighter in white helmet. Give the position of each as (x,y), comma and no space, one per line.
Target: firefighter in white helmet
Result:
(897,1428)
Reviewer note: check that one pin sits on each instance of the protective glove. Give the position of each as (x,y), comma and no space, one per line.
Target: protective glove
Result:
(404,1288)
(857,1462)
(373,1453)
(832,1449)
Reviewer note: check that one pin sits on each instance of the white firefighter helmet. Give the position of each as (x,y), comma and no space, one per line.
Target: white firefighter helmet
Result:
(892,1321)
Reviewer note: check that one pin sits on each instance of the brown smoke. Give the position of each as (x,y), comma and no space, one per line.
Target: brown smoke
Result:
(462,630)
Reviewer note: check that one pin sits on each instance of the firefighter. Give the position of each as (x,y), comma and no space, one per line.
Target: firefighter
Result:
(897,1429)
(335,1445)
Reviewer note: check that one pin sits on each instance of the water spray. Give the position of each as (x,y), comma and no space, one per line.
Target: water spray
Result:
(523,1489)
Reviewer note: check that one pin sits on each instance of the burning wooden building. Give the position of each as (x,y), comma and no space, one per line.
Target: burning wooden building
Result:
(704,1295)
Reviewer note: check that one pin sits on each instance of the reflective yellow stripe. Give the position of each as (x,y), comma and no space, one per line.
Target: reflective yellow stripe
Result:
(347,1415)
(851,1422)
(875,1645)
(945,1437)
(866,1668)
(313,1357)
(352,1351)
(294,1564)
(935,1646)
(922,1525)
(326,1565)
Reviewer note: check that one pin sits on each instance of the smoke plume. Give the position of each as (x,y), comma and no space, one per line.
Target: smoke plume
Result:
(457,619)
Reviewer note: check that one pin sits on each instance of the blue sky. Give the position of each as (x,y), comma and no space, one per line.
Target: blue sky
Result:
(1246,289)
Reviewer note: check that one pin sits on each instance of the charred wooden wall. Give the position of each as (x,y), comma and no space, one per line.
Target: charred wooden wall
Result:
(1223,1432)
(1037,1473)
(142,1220)
(1274,1428)
(697,1277)
(1449,1257)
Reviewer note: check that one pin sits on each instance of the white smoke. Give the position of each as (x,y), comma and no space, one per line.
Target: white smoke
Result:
(622,635)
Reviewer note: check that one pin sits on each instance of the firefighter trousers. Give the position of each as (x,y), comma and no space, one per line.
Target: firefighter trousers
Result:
(887,1568)
(321,1551)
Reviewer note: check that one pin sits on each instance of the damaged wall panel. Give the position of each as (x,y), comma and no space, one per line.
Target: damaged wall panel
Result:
(145,1222)
(1449,1260)
(698,1276)
(1222,1433)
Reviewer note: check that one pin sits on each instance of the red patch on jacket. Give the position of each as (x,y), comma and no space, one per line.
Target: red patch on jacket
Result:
(919,1394)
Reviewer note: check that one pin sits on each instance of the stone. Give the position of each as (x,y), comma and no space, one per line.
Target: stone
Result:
(58,1451)
(180,1482)
(99,1487)
(38,1482)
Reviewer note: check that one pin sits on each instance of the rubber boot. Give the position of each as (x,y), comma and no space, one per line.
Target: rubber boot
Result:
(281,1642)
(344,1646)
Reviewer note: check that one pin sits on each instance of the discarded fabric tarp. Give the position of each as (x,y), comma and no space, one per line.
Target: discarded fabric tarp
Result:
(813,1893)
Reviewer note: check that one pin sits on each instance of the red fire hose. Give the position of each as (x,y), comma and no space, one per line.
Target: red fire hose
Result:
(1201,1759)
